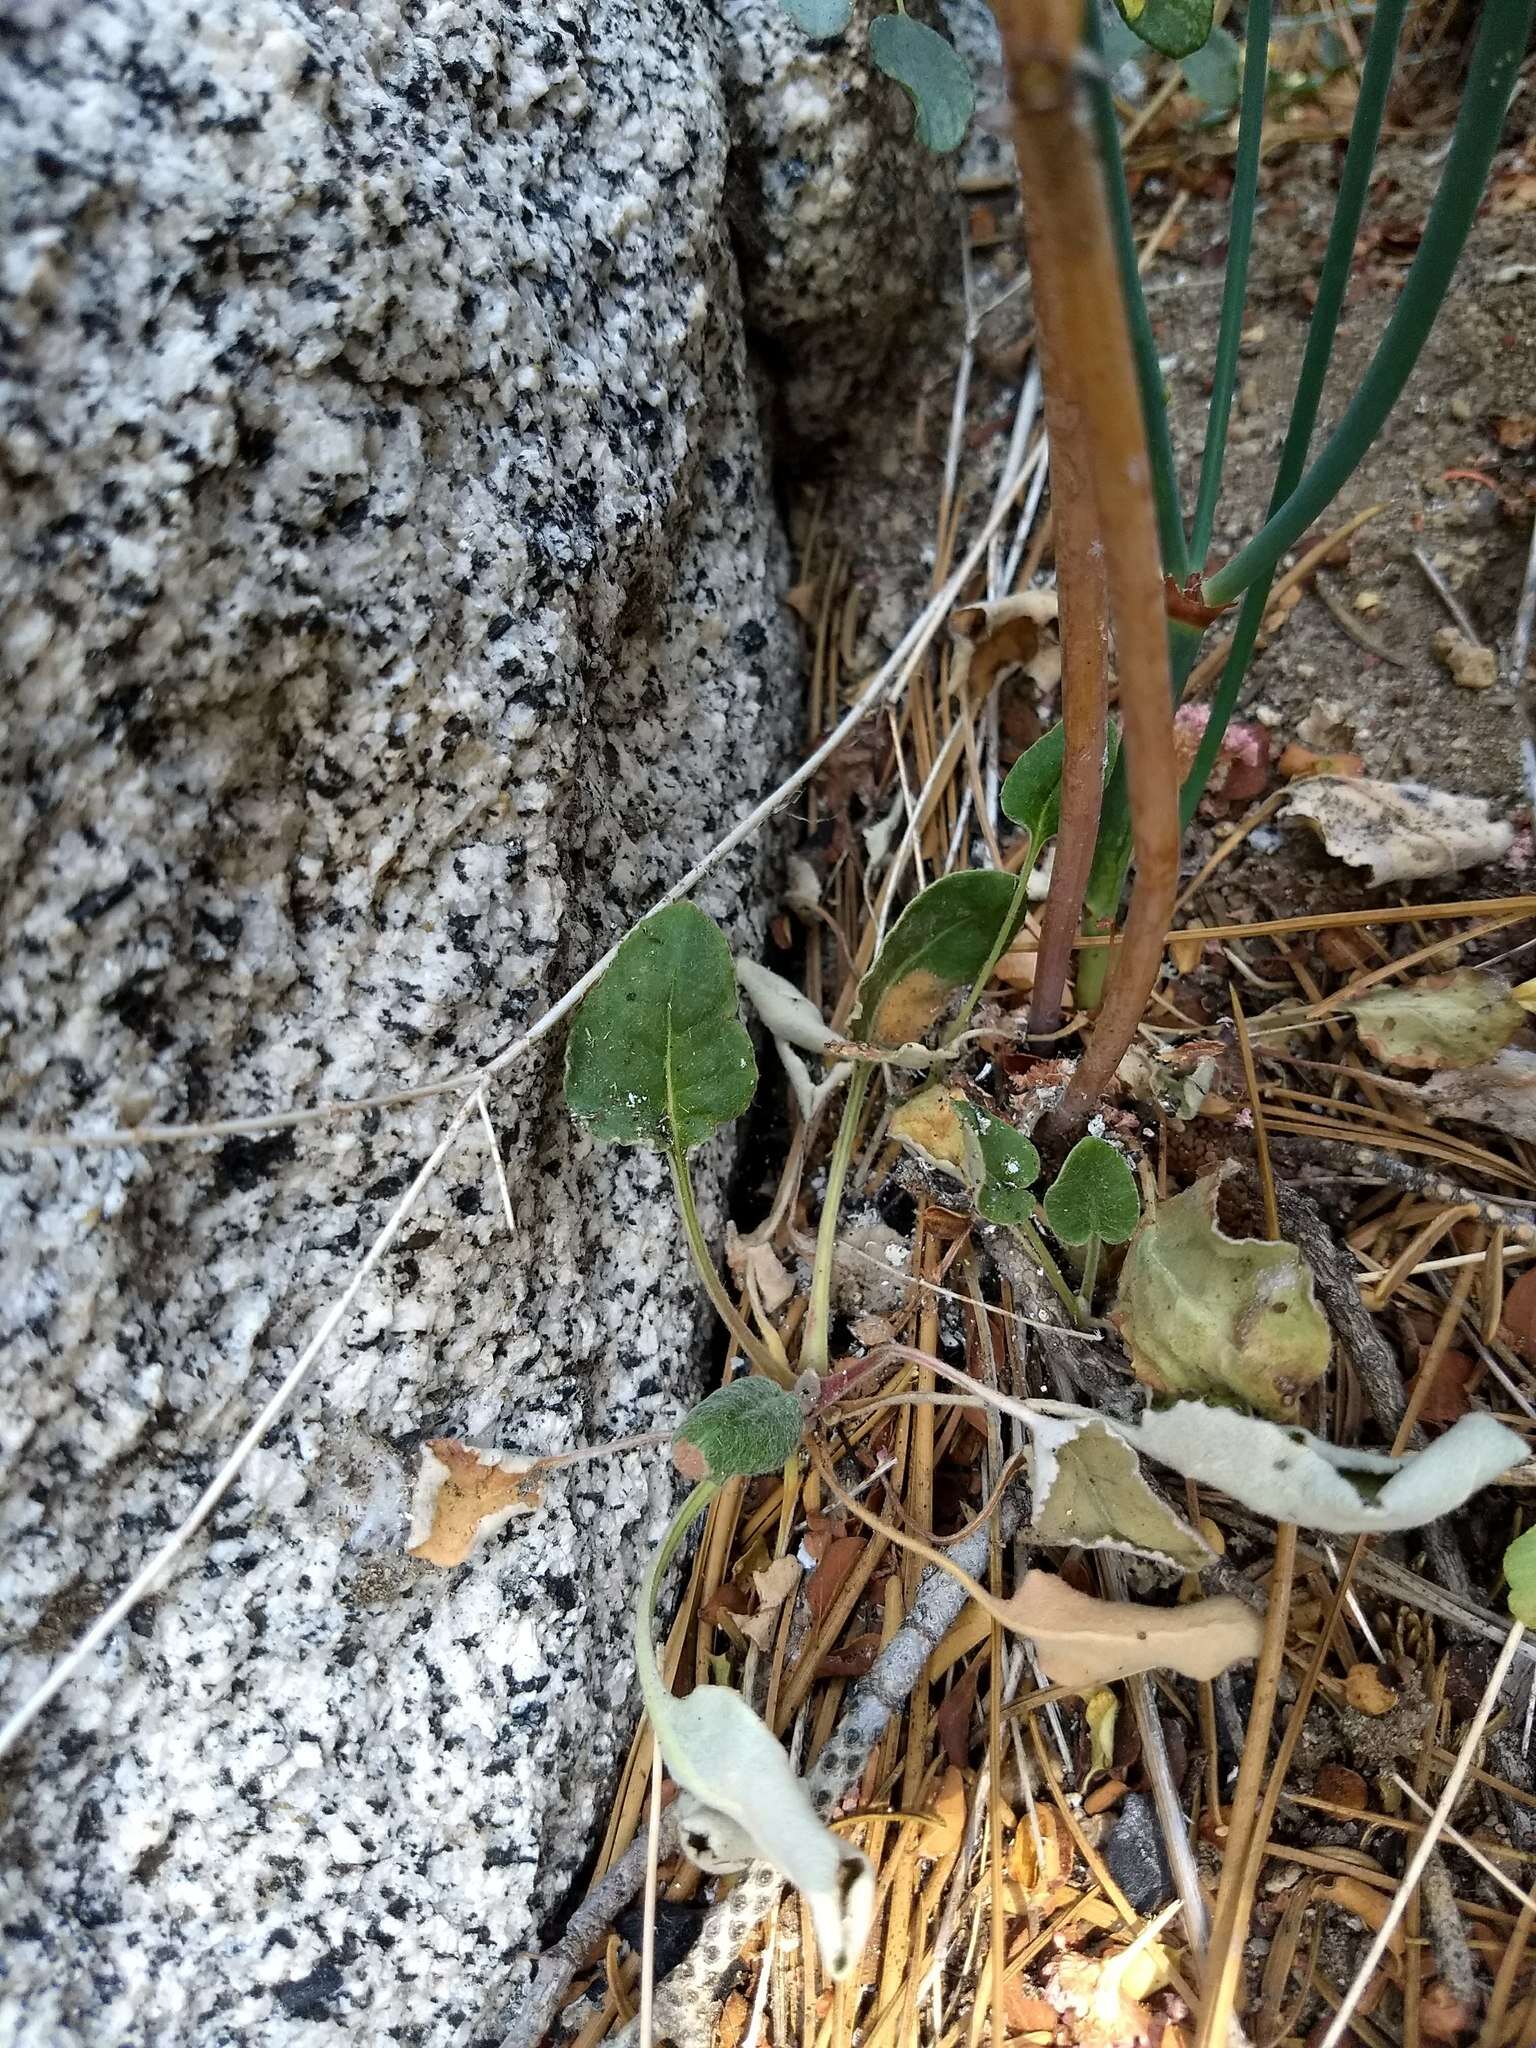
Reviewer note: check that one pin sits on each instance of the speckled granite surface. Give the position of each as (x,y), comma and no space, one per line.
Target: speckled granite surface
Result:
(389,610)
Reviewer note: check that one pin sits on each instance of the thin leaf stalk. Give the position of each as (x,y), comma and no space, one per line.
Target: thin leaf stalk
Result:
(1504,28)
(709,1274)
(1234,289)
(1079,305)
(1322,330)
(814,1349)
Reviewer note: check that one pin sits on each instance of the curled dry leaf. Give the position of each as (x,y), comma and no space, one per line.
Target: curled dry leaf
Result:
(1085,1643)
(1102,1995)
(787,1011)
(1087,1489)
(1448,1020)
(759,1264)
(1293,1476)
(465,1493)
(1401,831)
(1502,1093)
(1204,1313)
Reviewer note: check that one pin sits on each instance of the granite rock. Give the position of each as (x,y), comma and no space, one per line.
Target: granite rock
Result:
(389,602)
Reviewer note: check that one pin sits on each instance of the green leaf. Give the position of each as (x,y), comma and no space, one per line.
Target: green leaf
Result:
(1220,1318)
(1010,1166)
(1175,27)
(746,1427)
(940,942)
(1520,1570)
(993,1162)
(819,18)
(931,73)
(1214,72)
(1446,1020)
(1031,794)
(1086,1488)
(1122,45)
(1094,1195)
(657,1052)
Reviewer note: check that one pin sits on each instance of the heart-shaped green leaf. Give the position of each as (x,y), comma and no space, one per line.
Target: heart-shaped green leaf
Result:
(1031,793)
(1217,1317)
(819,18)
(1214,72)
(932,74)
(743,1428)
(1094,1195)
(941,942)
(658,1055)
(1520,1570)
(1175,27)
(1010,1166)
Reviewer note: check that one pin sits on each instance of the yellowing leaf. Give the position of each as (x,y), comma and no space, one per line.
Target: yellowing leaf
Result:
(1101,1710)
(1448,1020)
(1208,1314)
(1086,1643)
(1401,831)
(1087,1489)
(464,1493)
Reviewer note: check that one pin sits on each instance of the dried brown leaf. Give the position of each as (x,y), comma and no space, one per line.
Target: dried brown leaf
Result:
(1085,1643)
(465,1493)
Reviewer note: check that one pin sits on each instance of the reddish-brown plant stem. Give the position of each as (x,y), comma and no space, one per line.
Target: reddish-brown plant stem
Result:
(1080,316)
(1084,627)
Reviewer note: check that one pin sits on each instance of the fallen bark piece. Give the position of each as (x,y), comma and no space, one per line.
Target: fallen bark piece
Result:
(1401,831)
(1502,1092)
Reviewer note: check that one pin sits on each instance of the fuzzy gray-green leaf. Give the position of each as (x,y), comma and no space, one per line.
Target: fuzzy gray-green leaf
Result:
(746,1427)
(657,1052)
(931,72)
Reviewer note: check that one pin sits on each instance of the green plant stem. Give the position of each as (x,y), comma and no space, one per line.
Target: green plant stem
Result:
(709,1273)
(1503,30)
(653,1687)
(999,948)
(1332,283)
(1149,374)
(813,1351)
(1090,1273)
(1234,290)
(1048,1266)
